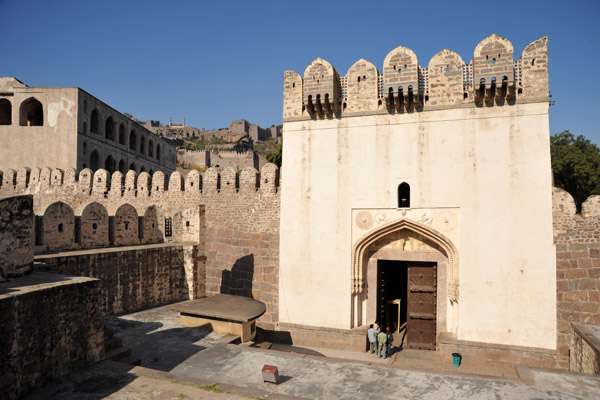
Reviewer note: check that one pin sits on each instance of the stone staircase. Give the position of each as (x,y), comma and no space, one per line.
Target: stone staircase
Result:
(114,350)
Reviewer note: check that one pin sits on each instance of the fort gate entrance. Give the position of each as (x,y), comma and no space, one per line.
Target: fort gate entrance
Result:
(406,300)
(405,276)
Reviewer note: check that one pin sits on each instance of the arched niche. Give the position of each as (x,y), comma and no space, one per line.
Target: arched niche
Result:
(94,226)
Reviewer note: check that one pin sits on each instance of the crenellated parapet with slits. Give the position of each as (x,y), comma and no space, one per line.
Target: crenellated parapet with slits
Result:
(492,77)
(131,185)
(99,209)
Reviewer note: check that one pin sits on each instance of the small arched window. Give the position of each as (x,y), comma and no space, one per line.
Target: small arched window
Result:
(121,134)
(142,145)
(151,148)
(109,130)
(122,166)
(158,151)
(132,166)
(5,112)
(94,158)
(109,164)
(132,144)
(403,195)
(94,121)
(32,113)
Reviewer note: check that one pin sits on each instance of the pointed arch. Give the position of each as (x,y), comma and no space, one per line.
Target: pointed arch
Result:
(31,113)
(359,249)
(94,160)
(109,129)
(5,112)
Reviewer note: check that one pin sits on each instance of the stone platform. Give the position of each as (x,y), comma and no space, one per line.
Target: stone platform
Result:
(234,315)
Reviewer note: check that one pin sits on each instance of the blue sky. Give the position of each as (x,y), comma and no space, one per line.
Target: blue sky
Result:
(214,62)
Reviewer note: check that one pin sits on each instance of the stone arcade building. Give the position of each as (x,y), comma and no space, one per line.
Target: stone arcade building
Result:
(69,128)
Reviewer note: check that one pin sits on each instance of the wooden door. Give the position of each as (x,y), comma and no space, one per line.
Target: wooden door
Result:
(421,307)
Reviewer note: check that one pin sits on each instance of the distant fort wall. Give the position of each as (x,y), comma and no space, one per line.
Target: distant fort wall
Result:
(236,130)
(219,159)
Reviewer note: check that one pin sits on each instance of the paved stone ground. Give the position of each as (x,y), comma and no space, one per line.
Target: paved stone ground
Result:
(196,355)
(115,381)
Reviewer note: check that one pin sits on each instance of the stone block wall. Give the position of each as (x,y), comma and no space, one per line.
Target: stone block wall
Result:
(51,325)
(16,234)
(577,241)
(137,277)
(240,211)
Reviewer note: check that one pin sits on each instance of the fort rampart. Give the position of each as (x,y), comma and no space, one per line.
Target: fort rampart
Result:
(97,210)
(577,239)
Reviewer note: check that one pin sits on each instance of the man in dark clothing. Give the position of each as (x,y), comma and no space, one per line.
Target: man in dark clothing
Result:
(390,339)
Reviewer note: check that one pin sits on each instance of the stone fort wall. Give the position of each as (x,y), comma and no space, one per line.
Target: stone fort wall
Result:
(16,235)
(95,209)
(51,325)
(577,239)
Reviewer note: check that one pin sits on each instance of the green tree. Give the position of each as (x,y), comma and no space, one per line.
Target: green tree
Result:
(575,165)
(275,157)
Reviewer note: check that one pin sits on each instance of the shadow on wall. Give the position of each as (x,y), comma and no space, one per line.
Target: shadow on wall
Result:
(238,281)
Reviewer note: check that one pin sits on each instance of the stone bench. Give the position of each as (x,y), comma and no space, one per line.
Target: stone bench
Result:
(235,315)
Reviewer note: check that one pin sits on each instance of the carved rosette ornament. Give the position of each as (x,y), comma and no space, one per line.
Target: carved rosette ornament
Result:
(364,220)
(445,221)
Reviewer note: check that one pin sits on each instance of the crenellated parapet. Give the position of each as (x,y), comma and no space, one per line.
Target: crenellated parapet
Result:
(321,87)
(492,77)
(102,183)
(99,209)
(565,217)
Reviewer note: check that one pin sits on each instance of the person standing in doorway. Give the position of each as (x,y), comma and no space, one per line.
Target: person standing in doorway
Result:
(372,335)
(382,340)
(390,339)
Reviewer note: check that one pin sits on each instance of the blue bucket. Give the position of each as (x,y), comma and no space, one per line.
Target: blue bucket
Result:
(456,357)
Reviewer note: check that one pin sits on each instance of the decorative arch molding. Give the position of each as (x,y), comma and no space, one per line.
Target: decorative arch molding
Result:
(361,246)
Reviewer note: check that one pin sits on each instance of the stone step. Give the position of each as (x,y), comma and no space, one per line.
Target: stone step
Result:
(112,343)
(229,339)
(118,354)
(131,360)
(263,345)
(108,333)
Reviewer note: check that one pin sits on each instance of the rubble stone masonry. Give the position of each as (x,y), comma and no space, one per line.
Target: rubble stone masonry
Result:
(138,277)
(16,234)
(51,325)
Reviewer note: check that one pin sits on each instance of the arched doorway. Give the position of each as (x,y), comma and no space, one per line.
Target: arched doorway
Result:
(405,276)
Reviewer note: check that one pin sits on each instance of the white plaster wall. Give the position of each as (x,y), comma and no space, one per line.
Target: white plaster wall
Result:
(491,162)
